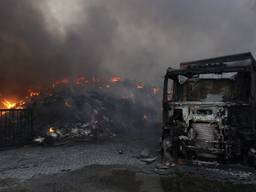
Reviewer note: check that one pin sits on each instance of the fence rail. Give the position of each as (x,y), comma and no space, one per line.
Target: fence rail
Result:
(16,127)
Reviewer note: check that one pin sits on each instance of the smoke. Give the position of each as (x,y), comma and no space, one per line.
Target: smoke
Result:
(45,40)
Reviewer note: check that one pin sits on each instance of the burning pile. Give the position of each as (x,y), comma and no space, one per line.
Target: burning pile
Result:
(12,104)
(93,108)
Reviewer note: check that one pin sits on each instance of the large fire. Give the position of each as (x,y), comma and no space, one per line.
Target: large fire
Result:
(8,104)
(101,83)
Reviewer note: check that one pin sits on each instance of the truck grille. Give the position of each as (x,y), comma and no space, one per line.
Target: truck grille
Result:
(205,132)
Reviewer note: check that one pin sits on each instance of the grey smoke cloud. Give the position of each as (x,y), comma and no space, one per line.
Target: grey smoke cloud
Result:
(45,40)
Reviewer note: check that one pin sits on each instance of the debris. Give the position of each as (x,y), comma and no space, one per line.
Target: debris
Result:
(145,153)
(149,160)
(165,165)
(39,139)
(206,163)
(92,114)
(53,134)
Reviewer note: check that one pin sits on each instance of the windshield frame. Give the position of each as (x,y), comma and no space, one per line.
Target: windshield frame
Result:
(175,96)
(207,90)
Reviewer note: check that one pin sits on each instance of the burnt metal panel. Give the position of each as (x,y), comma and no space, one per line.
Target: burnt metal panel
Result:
(16,127)
(219,60)
(223,69)
(215,65)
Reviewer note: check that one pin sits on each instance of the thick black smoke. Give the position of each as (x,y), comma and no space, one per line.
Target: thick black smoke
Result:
(32,57)
(24,46)
(45,40)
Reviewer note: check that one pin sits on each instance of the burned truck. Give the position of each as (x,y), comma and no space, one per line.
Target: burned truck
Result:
(209,109)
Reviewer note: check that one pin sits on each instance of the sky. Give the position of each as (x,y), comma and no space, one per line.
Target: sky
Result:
(43,40)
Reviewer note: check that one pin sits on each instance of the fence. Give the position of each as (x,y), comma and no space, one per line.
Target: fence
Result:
(16,127)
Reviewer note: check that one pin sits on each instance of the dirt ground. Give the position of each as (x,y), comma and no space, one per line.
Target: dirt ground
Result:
(118,178)
(112,166)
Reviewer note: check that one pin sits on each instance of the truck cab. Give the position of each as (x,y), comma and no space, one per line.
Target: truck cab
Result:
(209,109)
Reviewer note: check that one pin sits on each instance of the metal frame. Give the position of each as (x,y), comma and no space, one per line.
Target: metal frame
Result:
(241,63)
(214,65)
(16,127)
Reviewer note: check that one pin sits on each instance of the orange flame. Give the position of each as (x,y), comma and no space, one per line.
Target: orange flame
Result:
(51,130)
(81,80)
(61,82)
(9,104)
(116,79)
(34,94)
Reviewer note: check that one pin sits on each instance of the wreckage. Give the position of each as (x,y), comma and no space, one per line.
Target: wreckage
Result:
(209,109)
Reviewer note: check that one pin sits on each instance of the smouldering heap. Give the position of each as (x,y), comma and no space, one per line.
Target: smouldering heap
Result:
(100,83)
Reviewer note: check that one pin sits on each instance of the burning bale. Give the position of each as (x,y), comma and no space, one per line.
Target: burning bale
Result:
(84,112)
(88,109)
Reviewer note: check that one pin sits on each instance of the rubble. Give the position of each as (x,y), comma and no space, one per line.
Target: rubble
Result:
(232,173)
(205,163)
(75,113)
(39,139)
(149,159)
(148,156)
(145,153)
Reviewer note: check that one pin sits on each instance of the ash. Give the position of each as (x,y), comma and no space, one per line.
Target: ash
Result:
(90,112)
